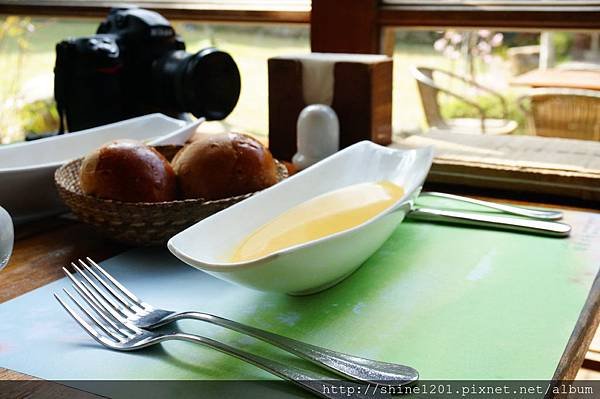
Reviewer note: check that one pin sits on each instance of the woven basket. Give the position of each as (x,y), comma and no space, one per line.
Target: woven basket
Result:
(139,223)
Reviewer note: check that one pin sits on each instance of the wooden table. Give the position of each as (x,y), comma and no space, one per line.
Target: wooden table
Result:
(563,78)
(43,247)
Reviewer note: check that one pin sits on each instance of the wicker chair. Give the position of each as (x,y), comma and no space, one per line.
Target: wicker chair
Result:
(429,91)
(567,113)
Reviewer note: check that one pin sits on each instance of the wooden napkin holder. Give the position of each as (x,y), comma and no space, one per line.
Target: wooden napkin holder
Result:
(361,98)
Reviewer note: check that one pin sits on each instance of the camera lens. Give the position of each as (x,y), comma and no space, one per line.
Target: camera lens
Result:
(206,83)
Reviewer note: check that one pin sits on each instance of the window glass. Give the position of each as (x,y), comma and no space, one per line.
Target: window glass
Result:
(510,64)
(27,59)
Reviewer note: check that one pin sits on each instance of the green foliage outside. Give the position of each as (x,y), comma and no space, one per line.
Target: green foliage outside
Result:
(454,108)
(39,117)
(562,44)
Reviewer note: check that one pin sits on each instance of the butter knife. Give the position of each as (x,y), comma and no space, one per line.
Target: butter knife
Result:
(542,227)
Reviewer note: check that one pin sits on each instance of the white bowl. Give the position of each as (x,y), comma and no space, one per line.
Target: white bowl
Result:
(319,264)
(27,169)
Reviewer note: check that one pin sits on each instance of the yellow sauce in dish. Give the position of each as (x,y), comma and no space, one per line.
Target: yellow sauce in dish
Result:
(319,217)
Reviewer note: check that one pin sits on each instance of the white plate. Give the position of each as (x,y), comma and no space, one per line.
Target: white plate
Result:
(27,169)
(319,264)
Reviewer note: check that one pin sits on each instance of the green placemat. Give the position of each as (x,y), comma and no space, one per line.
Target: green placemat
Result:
(453,302)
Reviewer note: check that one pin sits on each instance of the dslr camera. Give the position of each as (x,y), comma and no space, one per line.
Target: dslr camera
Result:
(136,64)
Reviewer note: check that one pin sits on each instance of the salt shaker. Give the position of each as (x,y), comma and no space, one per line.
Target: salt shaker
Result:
(318,135)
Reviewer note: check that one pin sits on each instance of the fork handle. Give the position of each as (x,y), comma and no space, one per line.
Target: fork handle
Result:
(319,384)
(348,366)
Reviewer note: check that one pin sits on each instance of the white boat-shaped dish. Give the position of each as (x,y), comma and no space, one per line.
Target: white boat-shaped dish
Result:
(27,169)
(319,264)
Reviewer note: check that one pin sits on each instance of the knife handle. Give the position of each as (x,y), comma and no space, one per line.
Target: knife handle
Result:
(553,229)
(512,209)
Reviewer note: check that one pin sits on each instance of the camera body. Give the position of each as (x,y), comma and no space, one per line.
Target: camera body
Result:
(136,64)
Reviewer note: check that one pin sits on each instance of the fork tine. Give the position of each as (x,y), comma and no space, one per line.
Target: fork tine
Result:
(126,312)
(127,303)
(85,292)
(99,310)
(106,309)
(115,311)
(118,285)
(93,318)
(103,306)
(95,334)
(120,322)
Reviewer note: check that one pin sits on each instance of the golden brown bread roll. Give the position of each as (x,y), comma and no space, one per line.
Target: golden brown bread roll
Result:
(291,168)
(224,165)
(128,171)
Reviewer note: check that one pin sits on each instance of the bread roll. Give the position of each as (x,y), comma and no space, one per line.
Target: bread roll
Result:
(224,165)
(128,171)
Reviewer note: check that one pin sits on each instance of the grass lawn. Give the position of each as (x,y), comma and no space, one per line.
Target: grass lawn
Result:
(31,75)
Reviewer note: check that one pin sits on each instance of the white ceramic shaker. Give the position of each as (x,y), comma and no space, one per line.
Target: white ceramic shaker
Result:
(318,135)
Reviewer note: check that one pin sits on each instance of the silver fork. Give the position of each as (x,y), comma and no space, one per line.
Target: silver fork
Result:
(125,337)
(122,306)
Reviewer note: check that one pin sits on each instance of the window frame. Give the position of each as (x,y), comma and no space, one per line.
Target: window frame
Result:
(364,24)
(493,15)
(284,12)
